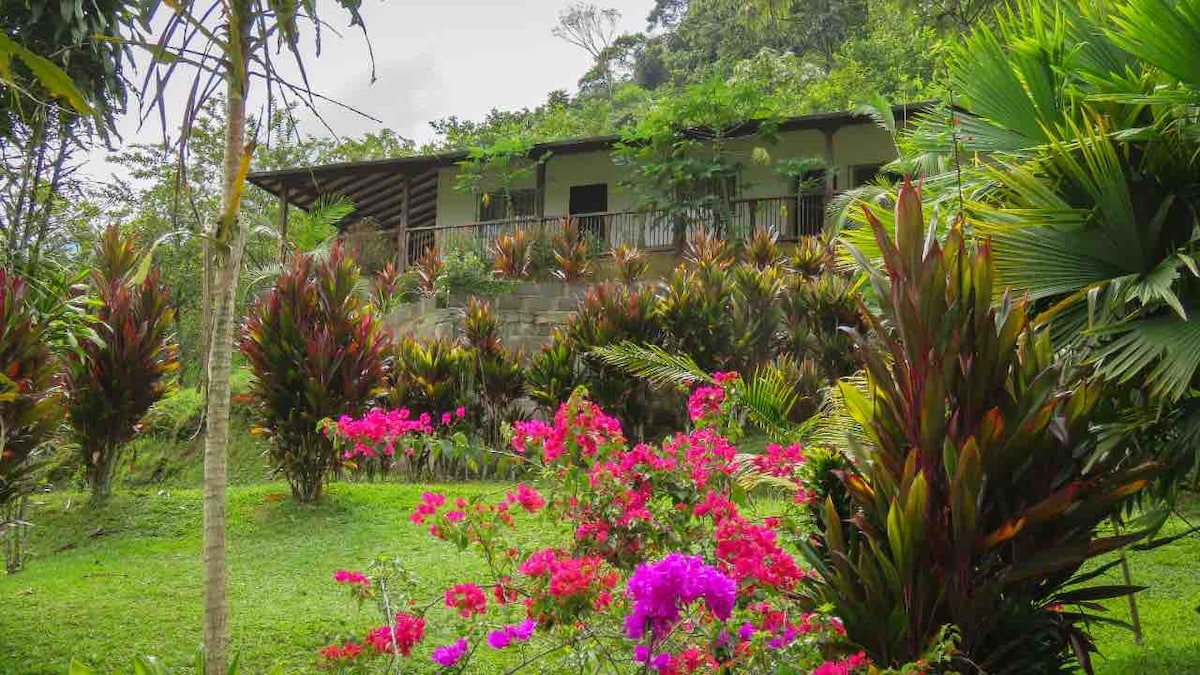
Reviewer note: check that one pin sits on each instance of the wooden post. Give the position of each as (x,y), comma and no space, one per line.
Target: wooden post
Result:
(402,230)
(283,224)
(830,169)
(830,172)
(540,193)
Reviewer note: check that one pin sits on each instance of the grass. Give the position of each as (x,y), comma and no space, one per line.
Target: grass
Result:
(125,580)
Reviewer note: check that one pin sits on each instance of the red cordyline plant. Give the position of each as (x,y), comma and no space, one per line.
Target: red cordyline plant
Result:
(316,351)
(513,254)
(111,382)
(571,259)
(429,266)
(981,500)
(629,263)
(28,404)
(658,569)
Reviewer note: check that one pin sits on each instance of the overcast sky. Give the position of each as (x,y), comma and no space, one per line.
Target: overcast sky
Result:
(434,59)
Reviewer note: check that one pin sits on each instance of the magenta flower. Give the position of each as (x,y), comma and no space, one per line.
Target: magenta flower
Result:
(450,654)
(660,590)
(518,632)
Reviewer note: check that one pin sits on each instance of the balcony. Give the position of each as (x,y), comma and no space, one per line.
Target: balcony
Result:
(788,217)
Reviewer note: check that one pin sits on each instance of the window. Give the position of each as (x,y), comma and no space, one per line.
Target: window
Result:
(518,204)
(865,173)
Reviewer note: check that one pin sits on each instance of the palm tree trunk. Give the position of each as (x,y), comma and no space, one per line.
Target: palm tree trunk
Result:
(228,242)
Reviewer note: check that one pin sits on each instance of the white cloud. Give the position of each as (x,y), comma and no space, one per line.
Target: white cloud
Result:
(433,60)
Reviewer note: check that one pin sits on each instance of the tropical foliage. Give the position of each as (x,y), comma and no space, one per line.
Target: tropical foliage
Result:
(112,381)
(29,409)
(978,500)
(316,351)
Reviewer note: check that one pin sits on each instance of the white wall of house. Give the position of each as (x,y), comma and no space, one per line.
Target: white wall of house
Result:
(584,168)
(853,145)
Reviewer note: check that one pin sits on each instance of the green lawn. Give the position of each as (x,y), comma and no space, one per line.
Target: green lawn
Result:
(124,581)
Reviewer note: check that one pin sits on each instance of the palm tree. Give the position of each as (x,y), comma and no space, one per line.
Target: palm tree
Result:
(225,42)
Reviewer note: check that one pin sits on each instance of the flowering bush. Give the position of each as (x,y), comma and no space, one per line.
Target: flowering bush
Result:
(651,562)
(315,350)
(382,440)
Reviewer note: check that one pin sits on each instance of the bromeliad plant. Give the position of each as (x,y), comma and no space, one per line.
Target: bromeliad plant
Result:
(316,351)
(976,503)
(111,382)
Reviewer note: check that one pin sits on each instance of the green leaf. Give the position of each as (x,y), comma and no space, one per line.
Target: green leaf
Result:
(49,75)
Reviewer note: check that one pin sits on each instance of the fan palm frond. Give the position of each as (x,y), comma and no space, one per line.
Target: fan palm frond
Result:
(1165,34)
(1164,350)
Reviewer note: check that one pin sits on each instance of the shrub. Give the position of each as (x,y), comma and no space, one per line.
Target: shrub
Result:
(808,257)
(499,376)
(755,314)
(657,569)
(390,287)
(816,312)
(112,382)
(571,253)
(982,499)
(28,406)
(429,268)
(427,376)
(630,263)
(762,249)
(551,376)
(608,315)
(466,272)
(694,309)
(316,352)
(512,253)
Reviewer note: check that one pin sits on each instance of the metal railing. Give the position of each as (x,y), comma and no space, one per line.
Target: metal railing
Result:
(788,217)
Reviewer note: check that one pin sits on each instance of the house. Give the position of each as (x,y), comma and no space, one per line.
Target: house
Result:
(419,202)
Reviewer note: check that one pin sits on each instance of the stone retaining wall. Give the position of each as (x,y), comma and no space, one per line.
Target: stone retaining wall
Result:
(526,315)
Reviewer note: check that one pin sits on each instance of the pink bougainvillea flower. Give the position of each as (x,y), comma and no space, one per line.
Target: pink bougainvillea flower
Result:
(705,401)
(450,654)
(517,632)
(351,578)
(399,638)
(660,590)
(468,599)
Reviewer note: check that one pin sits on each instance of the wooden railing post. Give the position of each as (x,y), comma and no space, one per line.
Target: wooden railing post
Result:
(402,229)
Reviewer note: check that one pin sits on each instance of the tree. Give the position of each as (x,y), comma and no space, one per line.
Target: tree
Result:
(592,30)
(58,88)
(111,382)
(227,42)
